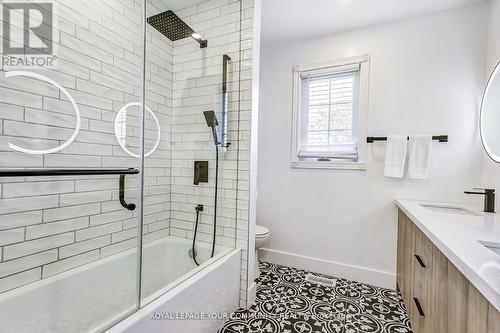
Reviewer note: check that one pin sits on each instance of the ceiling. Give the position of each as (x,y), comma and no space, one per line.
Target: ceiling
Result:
(181,4)
(290,19)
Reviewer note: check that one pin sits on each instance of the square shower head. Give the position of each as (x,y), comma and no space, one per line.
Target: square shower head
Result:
(173,27)
(210,118)
(170,25)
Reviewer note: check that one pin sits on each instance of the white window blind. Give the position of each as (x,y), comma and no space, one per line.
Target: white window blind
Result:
(329,113)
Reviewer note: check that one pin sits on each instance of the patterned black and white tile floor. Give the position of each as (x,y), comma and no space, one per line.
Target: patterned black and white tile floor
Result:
(287,303)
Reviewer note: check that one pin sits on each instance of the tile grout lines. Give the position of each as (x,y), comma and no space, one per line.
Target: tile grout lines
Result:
(287,303)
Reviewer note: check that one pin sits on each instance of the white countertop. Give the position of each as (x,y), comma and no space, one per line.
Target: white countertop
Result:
(457,237)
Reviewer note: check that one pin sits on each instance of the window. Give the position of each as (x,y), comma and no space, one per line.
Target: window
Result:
(330,109)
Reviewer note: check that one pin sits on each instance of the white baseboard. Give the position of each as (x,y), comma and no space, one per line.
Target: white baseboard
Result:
(360,274)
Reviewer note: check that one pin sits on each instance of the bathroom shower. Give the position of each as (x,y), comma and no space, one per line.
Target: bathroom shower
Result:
(174,28)
(222,144)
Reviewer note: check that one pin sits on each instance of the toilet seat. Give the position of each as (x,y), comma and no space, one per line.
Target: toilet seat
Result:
(261,231)
(261,236)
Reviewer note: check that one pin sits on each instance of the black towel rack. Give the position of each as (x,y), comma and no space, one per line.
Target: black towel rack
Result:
(77,172)
(372,139)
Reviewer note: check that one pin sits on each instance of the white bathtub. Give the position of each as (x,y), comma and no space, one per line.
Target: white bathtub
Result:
(90,297)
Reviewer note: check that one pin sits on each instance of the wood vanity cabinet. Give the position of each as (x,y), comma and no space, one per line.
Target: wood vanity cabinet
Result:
(438,297)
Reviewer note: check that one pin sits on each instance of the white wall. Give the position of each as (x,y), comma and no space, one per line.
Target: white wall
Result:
(491,170)
(426,78)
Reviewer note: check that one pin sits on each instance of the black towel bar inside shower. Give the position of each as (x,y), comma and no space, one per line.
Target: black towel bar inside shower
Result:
(77,172)
(372,139)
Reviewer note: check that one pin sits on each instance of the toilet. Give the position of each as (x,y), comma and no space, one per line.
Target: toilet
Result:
(261,237)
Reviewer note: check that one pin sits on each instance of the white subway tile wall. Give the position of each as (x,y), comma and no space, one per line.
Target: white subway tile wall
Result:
(52,224)
(197,86)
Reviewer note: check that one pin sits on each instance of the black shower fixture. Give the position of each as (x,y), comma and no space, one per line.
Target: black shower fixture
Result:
(212,122)
(174,28)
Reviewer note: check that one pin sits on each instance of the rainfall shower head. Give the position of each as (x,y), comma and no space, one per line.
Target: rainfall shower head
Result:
(174,28)
(212,122)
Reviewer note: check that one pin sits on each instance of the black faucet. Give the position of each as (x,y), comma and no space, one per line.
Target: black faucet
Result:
(489,199)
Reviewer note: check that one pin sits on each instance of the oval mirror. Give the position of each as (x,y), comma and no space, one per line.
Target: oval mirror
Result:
(490,116)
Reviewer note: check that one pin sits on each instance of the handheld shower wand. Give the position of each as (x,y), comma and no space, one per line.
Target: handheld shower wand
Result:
(212,122)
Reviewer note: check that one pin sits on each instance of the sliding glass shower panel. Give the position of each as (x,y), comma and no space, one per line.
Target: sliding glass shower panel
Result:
(70,97)
(185,75)
(157,158)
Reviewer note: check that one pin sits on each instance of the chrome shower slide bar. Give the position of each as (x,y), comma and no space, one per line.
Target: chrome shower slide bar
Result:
(372,139)
(76,172)
(225,63)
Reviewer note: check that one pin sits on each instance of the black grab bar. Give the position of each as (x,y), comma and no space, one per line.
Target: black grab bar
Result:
(77,172)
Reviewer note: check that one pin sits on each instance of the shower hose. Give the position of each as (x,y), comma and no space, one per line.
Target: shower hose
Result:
(199,208)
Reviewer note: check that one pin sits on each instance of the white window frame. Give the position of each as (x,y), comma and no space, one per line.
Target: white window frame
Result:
(361,122)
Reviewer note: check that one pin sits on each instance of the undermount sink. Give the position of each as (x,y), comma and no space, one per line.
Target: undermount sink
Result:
(448,209)
(495,247)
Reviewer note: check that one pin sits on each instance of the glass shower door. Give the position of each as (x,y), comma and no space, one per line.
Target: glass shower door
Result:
(192,79)
(70,138)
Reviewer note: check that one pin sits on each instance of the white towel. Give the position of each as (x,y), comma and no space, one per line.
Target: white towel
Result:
(395,156)
(420,156)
